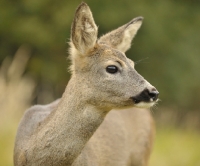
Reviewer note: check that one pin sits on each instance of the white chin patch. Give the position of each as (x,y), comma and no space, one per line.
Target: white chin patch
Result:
(144,104)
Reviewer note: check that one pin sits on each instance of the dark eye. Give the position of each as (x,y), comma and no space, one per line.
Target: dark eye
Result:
(112,69)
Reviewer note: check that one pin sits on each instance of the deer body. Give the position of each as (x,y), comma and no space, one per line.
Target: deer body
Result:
(80,128)
(121,140)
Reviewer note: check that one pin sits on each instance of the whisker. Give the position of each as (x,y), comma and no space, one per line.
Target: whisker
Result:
(155,106)
(141,60)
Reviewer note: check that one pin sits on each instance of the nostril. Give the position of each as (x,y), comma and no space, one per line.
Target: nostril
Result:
(154,94)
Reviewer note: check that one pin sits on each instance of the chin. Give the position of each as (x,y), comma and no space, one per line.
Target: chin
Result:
(145,104)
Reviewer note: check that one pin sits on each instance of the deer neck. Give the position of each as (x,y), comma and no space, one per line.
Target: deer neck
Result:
(65,133)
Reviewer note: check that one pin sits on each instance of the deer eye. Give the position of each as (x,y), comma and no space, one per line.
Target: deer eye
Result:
(112,69)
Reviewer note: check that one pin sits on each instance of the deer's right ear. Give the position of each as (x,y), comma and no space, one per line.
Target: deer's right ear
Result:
(84,30)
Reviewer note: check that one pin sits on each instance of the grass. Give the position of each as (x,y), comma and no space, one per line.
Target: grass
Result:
(6,146)
(176,147)
(16,91)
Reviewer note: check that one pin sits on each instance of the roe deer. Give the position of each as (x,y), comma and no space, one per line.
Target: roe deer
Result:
(82,128)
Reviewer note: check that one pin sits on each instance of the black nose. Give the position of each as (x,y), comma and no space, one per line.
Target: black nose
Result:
(146,96)
(153,94)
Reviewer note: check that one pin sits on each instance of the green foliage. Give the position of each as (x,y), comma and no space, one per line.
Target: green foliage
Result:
(169,39)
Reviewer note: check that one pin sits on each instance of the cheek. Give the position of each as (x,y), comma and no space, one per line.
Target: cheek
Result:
(118,88)
(107,87)
(114,85)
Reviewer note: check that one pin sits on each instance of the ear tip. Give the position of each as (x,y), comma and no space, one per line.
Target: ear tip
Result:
(138,19)
(82,7)
(83,4)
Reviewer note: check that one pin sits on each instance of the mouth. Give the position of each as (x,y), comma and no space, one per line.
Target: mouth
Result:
(144,104)
(146,98)
(137,101)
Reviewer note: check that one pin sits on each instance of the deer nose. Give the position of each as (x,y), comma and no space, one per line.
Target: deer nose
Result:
(146,96)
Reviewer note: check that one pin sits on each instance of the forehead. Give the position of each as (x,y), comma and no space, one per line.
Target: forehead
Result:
(108,52)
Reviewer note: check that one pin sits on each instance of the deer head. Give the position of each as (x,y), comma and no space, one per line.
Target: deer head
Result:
(109,77)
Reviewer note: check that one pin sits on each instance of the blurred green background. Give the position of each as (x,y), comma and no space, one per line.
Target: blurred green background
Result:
(34,66)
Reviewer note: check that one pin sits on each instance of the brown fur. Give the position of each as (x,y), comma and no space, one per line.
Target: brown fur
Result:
(82,128)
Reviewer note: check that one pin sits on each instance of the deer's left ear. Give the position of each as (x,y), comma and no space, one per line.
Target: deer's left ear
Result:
(84,30)
(122,37)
